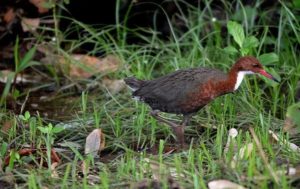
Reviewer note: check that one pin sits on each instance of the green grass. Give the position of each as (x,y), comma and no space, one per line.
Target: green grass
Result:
(130,130)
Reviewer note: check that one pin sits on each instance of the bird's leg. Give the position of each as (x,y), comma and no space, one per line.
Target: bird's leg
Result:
(178,129)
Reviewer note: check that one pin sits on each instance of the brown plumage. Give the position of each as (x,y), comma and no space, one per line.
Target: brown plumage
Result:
(187,91)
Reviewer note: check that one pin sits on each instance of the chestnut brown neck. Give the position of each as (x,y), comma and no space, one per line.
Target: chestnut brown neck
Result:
(232,77)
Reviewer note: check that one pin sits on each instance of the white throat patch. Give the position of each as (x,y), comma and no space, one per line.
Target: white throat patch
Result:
(240,77)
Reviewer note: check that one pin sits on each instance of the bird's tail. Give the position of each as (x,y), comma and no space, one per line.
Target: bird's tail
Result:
(133,83)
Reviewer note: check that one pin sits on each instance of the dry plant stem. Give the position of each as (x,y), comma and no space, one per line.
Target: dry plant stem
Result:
(263,156)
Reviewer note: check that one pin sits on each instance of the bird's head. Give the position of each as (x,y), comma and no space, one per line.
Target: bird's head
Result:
(250,65)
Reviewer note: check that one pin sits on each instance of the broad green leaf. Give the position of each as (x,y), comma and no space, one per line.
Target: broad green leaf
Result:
(231,50)
(44,130)
(268,58)
(236,30)
(250,42)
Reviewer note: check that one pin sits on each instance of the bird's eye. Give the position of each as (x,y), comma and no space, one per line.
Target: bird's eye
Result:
(255,65)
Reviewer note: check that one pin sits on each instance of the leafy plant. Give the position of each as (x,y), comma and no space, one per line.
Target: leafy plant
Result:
(246,44)
(25,117)
(49,130)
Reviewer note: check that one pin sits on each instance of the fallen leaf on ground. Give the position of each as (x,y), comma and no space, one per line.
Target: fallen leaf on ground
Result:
(224,184)
(114,86)
(30,24)
(292,146)
(40,4)
(94,142)
(9,15)
(85,66)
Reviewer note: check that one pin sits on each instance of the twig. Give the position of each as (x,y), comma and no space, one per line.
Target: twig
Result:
(263,156)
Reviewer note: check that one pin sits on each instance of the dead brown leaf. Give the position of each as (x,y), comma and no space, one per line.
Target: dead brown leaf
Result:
(86,66)
(94,142)
(9,15)
(114,86)
(30,24)
(224,184)
(40,4)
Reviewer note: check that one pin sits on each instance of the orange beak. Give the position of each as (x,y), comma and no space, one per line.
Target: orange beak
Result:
(266,74)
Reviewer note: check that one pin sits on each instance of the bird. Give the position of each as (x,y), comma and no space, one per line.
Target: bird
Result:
(185,92)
